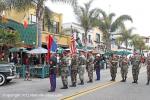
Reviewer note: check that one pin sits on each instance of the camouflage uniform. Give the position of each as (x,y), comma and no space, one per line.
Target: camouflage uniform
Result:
(81,68)
(148,70)
(74,67)
(90,67)
(124,69)
(64,72)
(135,68)
(113,68)
(120,62)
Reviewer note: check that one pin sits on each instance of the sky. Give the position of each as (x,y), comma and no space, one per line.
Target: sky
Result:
(137,9)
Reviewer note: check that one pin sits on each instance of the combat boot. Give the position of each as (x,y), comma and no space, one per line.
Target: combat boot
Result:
(134,81)
(125,79)
(147,82)
(65,87)
(90,81)
(113,79)
(73,85)
(122,80)
(82,83)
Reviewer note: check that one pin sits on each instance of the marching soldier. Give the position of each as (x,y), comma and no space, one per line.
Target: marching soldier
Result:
(97,66)
(64,71)
(74,67)
(148,70)
(135,68)
(52,70)
(81,68)
(90,67)
(113,67)
(124,68)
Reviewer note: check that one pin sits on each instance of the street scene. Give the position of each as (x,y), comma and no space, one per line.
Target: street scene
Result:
(74,50)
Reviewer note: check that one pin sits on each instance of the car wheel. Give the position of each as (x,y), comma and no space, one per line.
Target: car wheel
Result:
(2,79)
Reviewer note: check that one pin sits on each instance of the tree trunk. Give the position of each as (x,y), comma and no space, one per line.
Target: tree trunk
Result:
(126,45)
(108,45)
(39,14)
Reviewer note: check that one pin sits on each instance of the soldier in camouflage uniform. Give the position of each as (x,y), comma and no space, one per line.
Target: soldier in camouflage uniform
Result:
(113,67)
(148,70)
(124,68)
(64,71)
(74,67)
(120,61)
(81,67)
(90,67)
(135,68)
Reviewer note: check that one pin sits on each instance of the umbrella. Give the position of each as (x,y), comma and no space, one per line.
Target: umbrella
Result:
(108,53)
(123,52)
(14,50)
(18,49)
(38,50)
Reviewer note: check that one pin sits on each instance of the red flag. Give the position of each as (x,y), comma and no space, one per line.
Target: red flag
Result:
(25,24)
(50,40)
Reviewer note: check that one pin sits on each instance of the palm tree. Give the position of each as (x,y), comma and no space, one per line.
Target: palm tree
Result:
(2,6)
(86,17)
(22,5)
(118,41)
(138,42)
(126,36)
(108,25)
(8,38)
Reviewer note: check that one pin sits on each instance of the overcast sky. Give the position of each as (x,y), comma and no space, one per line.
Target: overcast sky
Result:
(139,10)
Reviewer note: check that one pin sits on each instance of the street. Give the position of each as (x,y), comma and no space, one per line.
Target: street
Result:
(37,89)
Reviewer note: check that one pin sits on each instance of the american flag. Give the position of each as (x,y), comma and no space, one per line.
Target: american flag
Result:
(73,48)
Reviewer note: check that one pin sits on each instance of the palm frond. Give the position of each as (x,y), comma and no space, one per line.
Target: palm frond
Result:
(103,13)
(2,6)
(86,16)
(119,22)
(111,15)
(72,2)
(22,5)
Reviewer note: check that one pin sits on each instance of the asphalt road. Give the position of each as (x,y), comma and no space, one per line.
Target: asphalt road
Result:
(121,91)
(37,89)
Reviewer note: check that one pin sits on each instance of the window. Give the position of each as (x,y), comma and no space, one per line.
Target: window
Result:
(89,38)
(97,38)
(147,40)
(32,19)
(56,27)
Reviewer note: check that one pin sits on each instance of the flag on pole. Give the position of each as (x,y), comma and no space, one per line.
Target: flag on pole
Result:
(73,48)
(51,46)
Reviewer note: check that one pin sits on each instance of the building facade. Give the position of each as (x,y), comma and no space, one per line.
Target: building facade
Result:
(16,21)
(94,36)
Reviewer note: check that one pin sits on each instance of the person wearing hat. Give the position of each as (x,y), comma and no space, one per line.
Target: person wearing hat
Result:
(135,67)
(81,67)
(90,67)
(74,68)
(64,70)
(52,70)
(124,68)
(97,66)
(113,67)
